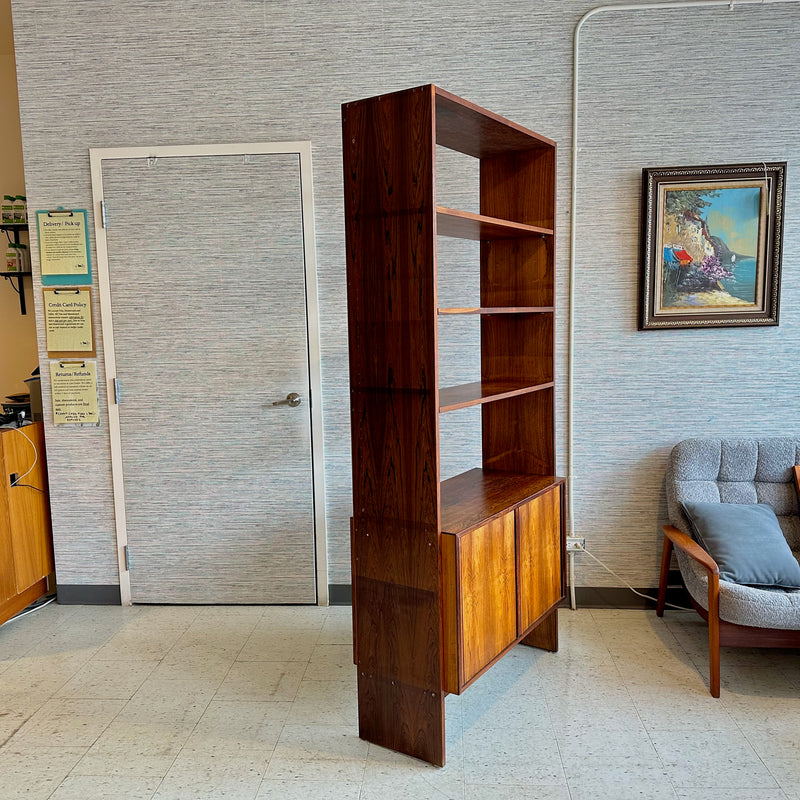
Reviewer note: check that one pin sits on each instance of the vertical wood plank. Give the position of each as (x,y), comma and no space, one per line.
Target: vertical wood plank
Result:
(28,510)
(451,617)
(518,434)
(539,556)
(488,588)
(8,580)
(389,148)
(545,635)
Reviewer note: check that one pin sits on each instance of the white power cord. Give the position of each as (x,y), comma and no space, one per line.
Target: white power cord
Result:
(611,571)
(35,455)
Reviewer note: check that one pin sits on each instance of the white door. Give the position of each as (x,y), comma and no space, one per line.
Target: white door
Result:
(206,265)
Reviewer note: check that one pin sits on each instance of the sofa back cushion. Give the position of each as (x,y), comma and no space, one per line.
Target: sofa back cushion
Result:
(736,470)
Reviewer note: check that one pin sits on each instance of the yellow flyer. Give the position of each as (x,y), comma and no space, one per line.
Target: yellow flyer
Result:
(64,246)
(68,322)
(74,389)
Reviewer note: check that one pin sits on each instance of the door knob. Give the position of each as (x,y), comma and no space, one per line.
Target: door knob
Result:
(292,399)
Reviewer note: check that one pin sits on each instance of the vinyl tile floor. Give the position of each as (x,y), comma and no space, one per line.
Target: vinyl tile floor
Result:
(249,703)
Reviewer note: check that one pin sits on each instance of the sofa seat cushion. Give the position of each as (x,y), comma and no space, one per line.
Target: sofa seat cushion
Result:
(747,543)
(743,605)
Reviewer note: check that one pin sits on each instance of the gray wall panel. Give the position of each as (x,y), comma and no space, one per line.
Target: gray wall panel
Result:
(680,87)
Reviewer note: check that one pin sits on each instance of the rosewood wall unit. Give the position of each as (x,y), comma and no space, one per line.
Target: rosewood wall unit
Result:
(447,575)
(26,547)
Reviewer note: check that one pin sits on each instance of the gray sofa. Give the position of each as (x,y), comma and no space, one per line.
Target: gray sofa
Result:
(742,471)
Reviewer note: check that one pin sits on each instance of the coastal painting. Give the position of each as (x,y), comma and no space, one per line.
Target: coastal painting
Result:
(711,245)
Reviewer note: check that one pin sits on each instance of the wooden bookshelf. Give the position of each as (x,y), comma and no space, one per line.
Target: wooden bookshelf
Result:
(447,575)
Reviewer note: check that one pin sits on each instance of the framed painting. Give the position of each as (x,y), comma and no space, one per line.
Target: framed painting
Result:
(711,245)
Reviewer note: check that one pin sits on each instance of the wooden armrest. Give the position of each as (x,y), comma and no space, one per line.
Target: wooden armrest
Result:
(691,548)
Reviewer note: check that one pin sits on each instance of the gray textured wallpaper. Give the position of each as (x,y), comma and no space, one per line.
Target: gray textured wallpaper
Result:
(665,88)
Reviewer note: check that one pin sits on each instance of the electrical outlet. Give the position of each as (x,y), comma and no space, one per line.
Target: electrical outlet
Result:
(575,543)
(13,478)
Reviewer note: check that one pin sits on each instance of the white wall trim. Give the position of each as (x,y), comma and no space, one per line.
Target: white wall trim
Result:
(303,151)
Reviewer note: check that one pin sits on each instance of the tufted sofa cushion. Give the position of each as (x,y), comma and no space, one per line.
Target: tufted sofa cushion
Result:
(738,471)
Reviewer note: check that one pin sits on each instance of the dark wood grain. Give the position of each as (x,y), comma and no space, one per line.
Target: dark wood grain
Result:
(390,227)
(465,127)
(545,635)
(518,272)
(518,434)
(517,348)
(452,398)
(466,225)
(520,187)
(401,717)
(432,611)
(389,234)
(486,310)
(474,497)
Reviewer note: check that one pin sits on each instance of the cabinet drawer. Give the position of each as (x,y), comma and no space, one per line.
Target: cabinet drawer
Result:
(539,556)
(479,593)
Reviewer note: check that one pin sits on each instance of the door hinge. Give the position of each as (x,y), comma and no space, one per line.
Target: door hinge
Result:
(117,390)
(103,217)
(127,558)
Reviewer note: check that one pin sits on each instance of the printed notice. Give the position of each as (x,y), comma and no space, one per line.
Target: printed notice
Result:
(63,246)
(74,389)
(68,321)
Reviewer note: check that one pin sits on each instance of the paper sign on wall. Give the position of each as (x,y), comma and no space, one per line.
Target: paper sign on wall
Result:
(74,389)
(64,246)
(68,322)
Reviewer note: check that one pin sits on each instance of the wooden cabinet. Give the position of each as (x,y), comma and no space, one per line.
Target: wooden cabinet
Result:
(500,579)
(447,574)
(26,549)
(539,558)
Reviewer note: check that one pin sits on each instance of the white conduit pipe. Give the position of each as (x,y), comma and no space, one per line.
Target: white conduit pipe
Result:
(731,4)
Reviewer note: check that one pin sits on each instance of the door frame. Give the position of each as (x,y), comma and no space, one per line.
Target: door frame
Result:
(97,155)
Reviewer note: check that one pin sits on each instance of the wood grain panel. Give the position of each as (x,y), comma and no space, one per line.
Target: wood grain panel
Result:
(518,434)
(518,272)
(398,628)
(486,581)
(450,615)
(389,231)
(28,509)
(444,312)
(19,602)
(390,226)
(466,225)
(395,487)
(453,398)
(405,718)
(474,497)
(520,187)
(465,127)
(8,578)
(517,348)
(545,635)
(539,556)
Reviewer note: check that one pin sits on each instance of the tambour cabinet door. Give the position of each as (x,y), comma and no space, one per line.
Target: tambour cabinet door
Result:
(539,556)
(479,598)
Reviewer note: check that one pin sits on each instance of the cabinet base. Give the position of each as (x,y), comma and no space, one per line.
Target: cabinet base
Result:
(11,607)
(545,634)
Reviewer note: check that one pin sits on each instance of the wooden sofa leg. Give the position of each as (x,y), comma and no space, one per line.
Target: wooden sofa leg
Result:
(713,634)
(666,558)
